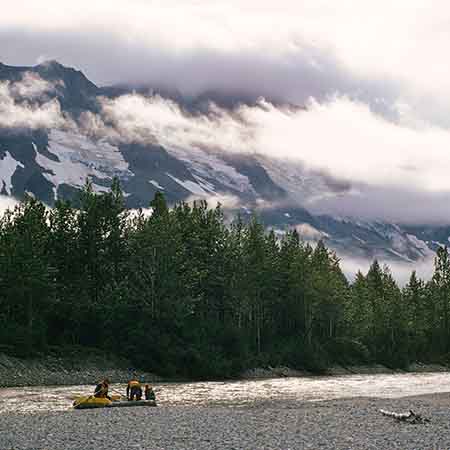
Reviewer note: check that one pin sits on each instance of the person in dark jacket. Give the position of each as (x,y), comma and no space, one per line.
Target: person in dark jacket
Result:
(101,390)
(134,390)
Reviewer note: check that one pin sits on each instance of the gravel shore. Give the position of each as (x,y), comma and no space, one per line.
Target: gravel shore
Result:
(70,370)
(337,424)
(79,367)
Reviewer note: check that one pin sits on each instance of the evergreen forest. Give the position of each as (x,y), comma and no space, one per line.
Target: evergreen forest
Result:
(182,292)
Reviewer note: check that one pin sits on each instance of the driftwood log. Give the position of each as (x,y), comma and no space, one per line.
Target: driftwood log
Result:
(408,417)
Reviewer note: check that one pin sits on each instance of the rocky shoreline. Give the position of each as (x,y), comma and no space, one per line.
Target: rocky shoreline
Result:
(283,371)
(88,369)
(70,370)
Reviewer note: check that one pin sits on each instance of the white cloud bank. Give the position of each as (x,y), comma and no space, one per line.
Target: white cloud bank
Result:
(25,104)
(360,60)
(386,50)
(400,271)
(342,137)
(7,203)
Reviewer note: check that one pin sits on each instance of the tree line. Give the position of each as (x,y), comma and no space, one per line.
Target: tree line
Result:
(182,293)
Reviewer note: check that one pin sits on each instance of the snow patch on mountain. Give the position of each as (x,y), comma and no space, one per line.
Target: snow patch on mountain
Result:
(294,179)
(359,239)
(156,184)
(209,169)
(404,244)
(420,245)
(79,158)
(189,185)
(206,185)
(9,166)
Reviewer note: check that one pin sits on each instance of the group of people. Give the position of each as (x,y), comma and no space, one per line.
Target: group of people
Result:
(134,390)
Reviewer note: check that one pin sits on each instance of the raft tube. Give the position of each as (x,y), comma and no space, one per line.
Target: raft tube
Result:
(126,403)
(91,402)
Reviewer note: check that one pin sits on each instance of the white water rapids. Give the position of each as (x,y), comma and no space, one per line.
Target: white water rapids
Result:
(239,393)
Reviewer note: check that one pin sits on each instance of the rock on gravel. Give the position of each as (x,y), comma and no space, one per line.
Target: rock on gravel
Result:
(339,424)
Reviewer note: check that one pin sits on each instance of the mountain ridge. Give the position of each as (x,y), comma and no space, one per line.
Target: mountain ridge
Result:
(54,163)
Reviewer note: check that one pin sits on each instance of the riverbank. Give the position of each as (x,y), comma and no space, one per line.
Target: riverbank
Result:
(73,368)
(78,368)
(271,425)
(280,372)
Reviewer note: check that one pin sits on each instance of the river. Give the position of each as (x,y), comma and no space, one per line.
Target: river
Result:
(239,393)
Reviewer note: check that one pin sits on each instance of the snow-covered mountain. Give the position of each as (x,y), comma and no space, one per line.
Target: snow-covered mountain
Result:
(53,137)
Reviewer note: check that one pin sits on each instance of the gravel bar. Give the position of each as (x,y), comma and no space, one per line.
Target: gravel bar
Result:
(338,424)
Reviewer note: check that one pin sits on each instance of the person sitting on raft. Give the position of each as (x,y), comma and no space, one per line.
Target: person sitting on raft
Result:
(101,390)
(149,393)
(134,390)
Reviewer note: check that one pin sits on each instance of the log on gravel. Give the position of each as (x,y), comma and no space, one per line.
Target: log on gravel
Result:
(409,417)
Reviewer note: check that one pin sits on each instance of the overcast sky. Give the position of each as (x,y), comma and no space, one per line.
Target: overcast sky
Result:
(375,77)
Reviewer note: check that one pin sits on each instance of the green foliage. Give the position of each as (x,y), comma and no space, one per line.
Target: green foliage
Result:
(347,351)
(182,294)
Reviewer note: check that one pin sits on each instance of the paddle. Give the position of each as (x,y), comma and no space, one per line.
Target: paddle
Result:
(117,392)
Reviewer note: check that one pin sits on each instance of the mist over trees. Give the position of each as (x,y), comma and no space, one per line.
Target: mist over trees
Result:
(182,293)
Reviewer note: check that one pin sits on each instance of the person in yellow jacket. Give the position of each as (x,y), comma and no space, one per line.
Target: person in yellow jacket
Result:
(134,389)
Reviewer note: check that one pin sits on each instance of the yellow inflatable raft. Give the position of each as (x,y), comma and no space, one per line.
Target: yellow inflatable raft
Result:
(90,402)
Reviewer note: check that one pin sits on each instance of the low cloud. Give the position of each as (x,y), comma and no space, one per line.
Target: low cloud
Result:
(365,164)
(26,104)
(357,154)
(400,271)
(7,203)
(309,233)
(154,119)
(407,205)
(226,201)
(31,87)
(319,48)
(343,137)
(378,126)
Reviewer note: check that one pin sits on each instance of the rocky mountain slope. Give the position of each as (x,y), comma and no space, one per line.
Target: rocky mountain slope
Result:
(53,137)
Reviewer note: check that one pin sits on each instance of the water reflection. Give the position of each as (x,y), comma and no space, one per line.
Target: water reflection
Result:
(239,393)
